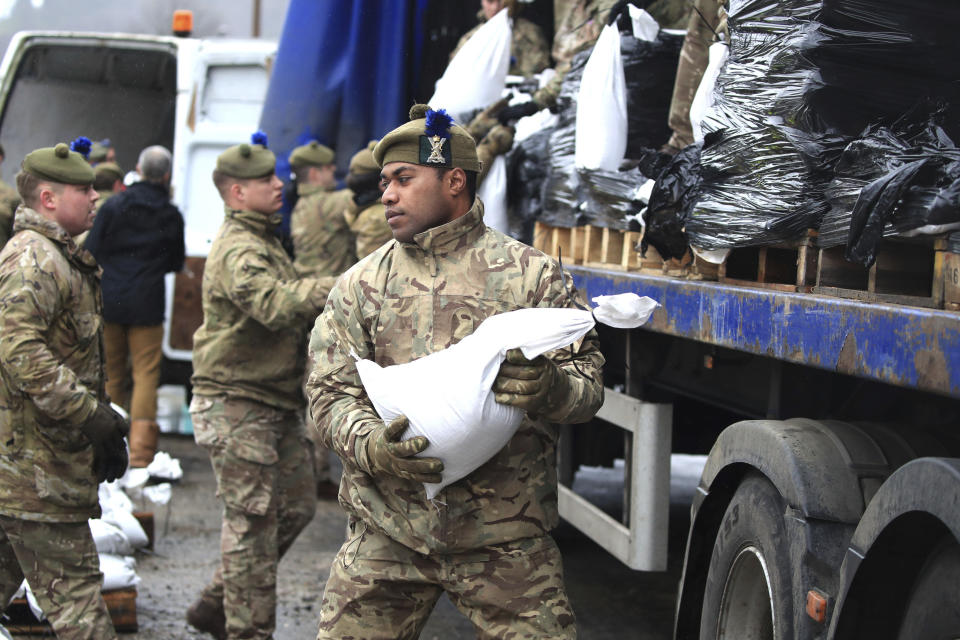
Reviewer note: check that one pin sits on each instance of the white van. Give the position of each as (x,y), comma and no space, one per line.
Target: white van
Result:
(195,97)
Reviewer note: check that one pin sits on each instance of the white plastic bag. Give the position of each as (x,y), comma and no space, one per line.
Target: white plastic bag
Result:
(119,572)
(601,136)
(476,76)
(493,193)
(447,395)
(704,98)
(109,538)
(645,26)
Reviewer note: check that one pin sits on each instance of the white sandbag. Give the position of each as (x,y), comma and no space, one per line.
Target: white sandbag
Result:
(493,193)
(705,97)
(165,467)
(476,76)
(447,395)
(158,493)
(109,538)
(119,572)
(112,497)
(645,26)
(130,526)
(601,134)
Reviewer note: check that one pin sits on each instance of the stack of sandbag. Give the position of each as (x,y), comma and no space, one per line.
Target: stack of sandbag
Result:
(757,184)
(606,197)
(889,82)
(892,181)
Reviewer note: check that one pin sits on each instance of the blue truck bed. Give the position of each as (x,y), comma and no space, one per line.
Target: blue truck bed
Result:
(900,345)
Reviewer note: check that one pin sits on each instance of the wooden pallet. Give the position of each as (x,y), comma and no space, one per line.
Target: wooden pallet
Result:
(784,266)
(912,271)
(615,249)
(122,604)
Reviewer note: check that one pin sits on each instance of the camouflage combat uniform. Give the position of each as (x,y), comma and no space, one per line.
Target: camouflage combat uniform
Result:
(249,359)
(369,226)
(529,53)
(51,379)
(693,62)
(484,539)
(322,242)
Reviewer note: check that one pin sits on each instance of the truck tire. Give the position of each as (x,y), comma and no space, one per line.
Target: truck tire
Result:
(934,607)
(748,582)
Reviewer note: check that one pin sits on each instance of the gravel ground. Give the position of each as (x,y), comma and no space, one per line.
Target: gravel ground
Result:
(611,601)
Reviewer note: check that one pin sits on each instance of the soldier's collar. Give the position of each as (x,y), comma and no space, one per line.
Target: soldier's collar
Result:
(455,234)
(309,189)
(260,222)
(27,218)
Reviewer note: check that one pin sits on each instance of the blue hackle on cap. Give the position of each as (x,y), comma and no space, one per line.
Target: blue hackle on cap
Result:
(259,138)
(82,145)
(438,123)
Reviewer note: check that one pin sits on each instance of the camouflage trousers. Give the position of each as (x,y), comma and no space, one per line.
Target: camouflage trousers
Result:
(380,590)
(60,562)
(693,62)
(262,461)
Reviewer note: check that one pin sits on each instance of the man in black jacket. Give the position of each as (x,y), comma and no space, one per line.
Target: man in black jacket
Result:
(137,237)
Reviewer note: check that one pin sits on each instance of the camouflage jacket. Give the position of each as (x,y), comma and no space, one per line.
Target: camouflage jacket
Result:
(369,226)
(252,343)
(322,242)
(51,373)
(405,301)
(529,53)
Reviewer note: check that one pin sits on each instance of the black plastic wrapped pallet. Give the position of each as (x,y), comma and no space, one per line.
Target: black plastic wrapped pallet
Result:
(757,187)
(877,59)
(889,182)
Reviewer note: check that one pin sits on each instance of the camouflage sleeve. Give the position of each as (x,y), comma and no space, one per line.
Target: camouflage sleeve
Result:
(497,142)
(582,362)
(338,403)
(30,302)
(546,97)
(251,283)
(529,48)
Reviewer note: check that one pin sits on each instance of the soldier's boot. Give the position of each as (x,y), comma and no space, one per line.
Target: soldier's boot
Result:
(206,615)
(143,442)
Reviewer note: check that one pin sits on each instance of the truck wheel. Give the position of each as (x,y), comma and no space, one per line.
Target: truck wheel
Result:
(934,607)
(748,582)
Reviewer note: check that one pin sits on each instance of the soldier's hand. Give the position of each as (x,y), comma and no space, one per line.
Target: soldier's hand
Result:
(391,456)
(535,386)
(511,114)
(105,429)
(500,139)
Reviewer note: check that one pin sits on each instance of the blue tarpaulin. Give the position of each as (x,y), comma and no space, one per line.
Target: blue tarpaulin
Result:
(342,75)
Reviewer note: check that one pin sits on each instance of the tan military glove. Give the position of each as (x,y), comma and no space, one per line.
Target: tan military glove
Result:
(105,429)
(500,139)
(537,386)
(389,455)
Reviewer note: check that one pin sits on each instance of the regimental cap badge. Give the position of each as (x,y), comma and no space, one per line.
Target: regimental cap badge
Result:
(435,143)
